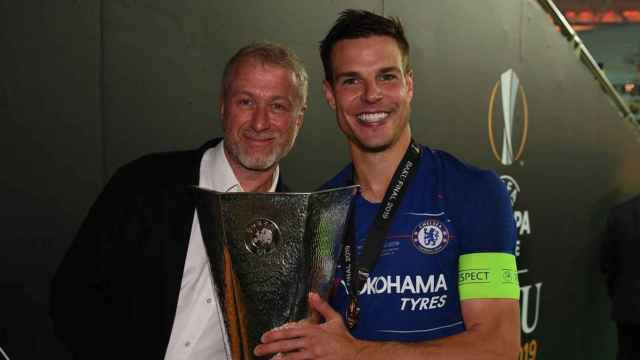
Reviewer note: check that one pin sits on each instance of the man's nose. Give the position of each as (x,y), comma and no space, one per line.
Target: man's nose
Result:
(372,91)
(260,120)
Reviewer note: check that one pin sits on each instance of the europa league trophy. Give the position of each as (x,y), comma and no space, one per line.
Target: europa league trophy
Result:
(267,251)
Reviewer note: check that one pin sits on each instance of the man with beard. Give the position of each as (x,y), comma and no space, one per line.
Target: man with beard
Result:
(428,271)
(136,282)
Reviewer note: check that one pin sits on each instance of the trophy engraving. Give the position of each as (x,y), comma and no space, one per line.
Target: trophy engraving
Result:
(262,236)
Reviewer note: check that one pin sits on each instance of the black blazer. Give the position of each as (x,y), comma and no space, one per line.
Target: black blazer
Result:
(621,261)
(116,291)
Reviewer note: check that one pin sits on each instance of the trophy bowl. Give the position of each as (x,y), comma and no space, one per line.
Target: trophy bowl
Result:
(267,251)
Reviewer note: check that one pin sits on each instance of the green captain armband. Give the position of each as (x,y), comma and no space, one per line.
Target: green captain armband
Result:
(488,275)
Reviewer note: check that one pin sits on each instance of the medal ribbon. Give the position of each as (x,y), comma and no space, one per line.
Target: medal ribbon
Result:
(375,238)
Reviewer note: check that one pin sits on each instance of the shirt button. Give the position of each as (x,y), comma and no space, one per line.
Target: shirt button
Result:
(187,344)
(209,301)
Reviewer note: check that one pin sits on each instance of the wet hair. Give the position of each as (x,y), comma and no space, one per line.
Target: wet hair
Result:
(271,54)
(356,24)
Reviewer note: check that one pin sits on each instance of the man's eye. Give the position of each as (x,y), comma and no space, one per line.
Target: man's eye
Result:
(245,102)
(349,81)
(279,107)
(388,77)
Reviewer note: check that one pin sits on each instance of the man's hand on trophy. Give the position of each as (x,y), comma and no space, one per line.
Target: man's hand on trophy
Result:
(307,340)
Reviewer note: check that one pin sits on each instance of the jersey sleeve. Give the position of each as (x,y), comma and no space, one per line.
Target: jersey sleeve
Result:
(487,264)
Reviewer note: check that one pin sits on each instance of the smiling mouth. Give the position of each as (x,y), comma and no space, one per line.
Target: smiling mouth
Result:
(371,118)
(259,137)
(260,141)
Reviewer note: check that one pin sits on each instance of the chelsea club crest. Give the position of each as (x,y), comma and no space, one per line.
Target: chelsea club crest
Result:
(430,236)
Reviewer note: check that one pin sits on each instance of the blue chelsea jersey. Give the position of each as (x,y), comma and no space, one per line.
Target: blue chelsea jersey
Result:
(449,209)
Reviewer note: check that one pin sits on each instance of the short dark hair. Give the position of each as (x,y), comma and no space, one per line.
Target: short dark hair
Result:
(271,54)
(355,24)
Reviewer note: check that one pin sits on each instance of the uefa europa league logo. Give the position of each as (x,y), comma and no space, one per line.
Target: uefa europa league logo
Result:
(515,114)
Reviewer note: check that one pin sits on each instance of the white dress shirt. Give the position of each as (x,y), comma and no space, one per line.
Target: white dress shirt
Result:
(198,329)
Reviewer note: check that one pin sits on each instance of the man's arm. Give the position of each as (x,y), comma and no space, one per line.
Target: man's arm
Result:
(492,332)
(82,298)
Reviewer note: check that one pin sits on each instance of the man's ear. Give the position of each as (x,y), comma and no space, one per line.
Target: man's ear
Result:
(221,107)
(408,77)
(300,117)
(327,89)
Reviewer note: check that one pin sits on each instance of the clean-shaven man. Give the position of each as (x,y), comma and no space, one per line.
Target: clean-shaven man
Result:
(429,270)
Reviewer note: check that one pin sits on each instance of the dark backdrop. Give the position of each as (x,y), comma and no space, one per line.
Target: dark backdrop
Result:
(86,86)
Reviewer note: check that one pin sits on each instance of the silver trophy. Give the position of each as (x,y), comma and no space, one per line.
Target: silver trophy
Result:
(267,251)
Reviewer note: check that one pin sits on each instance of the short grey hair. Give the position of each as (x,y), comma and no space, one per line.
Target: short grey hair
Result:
(271,54)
